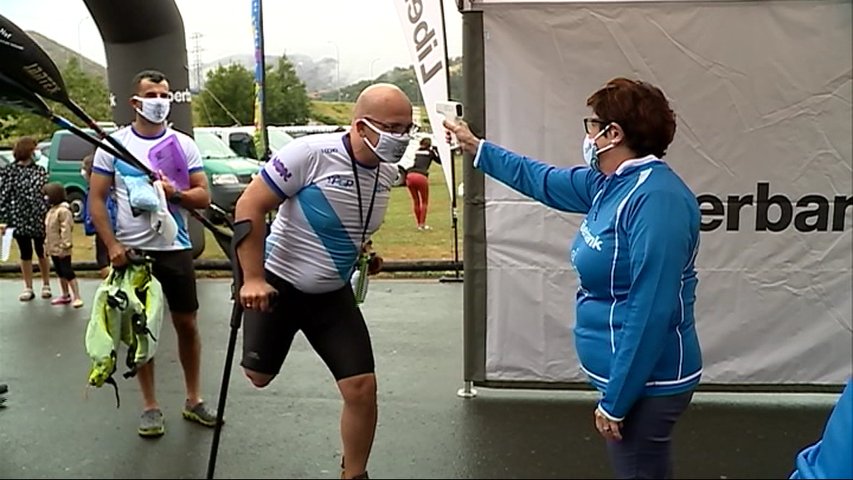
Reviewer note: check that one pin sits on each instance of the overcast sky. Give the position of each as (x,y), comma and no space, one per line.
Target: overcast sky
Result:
(363,33)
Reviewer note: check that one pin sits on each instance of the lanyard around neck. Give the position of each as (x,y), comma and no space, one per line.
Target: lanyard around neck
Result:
(365,223)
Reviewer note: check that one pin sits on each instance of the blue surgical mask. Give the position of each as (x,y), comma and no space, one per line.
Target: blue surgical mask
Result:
(591,150)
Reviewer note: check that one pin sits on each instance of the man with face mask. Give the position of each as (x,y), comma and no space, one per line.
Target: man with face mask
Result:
(173,259)
(333,190)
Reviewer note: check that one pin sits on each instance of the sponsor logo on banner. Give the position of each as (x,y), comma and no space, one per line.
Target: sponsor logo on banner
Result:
(423,30)
(775,212)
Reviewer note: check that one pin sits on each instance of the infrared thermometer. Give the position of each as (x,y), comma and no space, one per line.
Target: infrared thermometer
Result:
(452,112)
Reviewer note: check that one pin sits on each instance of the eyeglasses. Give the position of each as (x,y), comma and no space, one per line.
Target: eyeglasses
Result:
(396,129)
(589,121)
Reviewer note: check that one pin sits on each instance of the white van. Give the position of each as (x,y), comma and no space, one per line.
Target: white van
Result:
(241,139)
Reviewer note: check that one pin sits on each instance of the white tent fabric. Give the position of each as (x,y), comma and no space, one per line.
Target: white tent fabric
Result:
(762,90)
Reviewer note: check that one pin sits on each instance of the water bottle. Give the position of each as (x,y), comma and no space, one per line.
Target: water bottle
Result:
(360,280)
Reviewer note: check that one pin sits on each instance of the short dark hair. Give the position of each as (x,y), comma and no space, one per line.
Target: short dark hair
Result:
(426,142)
(641,109)
(55,193)
(155,76)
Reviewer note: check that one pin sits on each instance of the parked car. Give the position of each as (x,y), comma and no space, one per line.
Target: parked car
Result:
(227,173)
(6,158)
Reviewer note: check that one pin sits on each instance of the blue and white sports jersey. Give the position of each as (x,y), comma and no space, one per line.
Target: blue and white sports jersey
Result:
(135,231)
(316,235)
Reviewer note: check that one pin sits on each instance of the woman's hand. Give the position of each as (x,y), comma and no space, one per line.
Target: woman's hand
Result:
(608,429)
(467,141)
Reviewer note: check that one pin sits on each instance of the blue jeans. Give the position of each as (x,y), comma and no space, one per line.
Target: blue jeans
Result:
(644,451)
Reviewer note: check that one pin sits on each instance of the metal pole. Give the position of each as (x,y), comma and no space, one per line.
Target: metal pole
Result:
(454,213)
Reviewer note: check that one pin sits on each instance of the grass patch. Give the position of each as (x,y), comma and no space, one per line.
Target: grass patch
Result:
(332,113)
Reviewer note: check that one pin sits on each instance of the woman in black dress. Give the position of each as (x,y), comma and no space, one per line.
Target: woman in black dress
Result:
(22,207)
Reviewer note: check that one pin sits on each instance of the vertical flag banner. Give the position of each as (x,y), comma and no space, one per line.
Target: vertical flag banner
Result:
(424,34)
(260,77)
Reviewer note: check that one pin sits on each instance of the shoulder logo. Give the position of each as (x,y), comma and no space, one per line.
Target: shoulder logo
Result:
(281,169)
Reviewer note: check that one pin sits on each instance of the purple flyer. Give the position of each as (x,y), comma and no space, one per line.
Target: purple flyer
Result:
(168,157)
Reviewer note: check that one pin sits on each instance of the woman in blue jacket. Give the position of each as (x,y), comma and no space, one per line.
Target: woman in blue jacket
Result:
(634,254)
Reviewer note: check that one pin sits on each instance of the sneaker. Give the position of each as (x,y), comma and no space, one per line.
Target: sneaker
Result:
(3,388)
(61,300)
(45,291)
(200,414)
(27,295)
(77,303)
(152,424)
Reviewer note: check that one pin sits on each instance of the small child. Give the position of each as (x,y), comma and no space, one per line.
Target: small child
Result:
(102,256)
(58,225)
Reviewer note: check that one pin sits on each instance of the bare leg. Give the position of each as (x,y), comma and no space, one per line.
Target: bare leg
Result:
(75,289)
(145,375)
(358,421)
(27,272)
(44,269)
(189,351)
(63,284)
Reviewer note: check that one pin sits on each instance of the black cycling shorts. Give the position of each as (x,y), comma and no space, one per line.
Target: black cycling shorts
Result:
(331,322)
(176,272)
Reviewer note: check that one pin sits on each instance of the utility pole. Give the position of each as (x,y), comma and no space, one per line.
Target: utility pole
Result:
(196,52)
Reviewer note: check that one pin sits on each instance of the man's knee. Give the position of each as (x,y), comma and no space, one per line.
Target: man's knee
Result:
(185,323)
(359,389)
(258,379)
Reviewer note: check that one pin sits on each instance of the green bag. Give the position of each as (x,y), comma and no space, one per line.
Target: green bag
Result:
(127,309)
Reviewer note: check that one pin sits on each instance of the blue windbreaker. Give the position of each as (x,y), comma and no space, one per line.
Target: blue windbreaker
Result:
(832,455)
(634,255)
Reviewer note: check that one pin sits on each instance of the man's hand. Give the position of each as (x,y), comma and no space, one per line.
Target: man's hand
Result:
(168,188)
(374,265)
(257,294)
(467,141)
(118,255)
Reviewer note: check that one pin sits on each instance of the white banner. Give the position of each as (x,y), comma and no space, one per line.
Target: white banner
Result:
(763,139)
(424,33)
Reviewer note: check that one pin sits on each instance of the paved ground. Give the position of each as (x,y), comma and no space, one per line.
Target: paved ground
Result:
(290,430)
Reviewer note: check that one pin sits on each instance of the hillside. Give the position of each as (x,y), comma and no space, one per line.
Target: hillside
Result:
(61,54)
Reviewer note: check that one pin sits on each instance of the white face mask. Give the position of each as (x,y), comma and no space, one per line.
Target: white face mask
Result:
(155,110)
(390,148)
(591,151)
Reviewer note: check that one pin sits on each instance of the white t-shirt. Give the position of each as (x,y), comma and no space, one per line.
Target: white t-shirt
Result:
(317,233)
(135,231)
